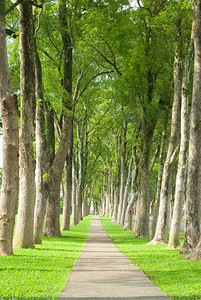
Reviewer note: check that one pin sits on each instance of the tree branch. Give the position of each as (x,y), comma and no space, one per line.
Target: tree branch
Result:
(20,2)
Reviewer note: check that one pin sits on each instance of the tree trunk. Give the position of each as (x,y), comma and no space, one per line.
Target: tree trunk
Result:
(74,214)
(10,178)
(52,227)
(41,153)
(67,193)
(174,240)
(127,188)
(133,198)
(161,235)
(23,237)
(79,191)
(159,180)
(192,225)
(116,202)
(129,211)
(122,176)
(54,179)
(141,227)
(116,178)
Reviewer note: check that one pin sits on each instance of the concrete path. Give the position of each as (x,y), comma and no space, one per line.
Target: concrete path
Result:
(103,272)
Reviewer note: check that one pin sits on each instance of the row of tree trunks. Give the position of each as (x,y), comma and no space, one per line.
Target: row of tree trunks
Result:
(159,179)
(161,235)
(9,115)
(193,195)
(174,240)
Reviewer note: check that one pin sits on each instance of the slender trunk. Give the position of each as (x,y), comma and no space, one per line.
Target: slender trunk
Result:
(107,195)
(67,192)
(9,116)
(129,211)
(174,240)
(116,202)
(122,181)
(127,188)
(133,199)
(193,197)
(74,218)
(41,153)
(116,180)
(51,154)
(23,237)
(79,191)
(159,180)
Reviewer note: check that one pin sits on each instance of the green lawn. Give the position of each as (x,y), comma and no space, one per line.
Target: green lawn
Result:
(42,272)
(179,279)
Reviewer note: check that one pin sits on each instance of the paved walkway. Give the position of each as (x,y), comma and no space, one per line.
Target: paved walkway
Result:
(103,272)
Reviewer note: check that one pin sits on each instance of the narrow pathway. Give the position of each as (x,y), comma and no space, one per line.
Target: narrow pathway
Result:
(103,272)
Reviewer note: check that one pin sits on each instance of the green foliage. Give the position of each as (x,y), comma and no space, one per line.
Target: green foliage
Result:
(41,273)
(179,279)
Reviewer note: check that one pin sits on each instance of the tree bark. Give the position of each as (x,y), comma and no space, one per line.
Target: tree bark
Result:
(174,240)
(54,179)
(67,193)
(52,227)
(127,188)
(159,180)
(79,191)
(9,115)
(141,226)
(161,235)
(192,225)
(41,153)
(122,176)
(23,237)
(129,211)
(74,218)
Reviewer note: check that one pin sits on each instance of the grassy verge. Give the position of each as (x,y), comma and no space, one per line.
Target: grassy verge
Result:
(179,279)
(42,272)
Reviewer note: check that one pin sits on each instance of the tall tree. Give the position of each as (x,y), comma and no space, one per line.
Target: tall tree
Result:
(9,116)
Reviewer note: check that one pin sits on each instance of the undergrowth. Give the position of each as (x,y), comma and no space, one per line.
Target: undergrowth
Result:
(179,279)
(41,273)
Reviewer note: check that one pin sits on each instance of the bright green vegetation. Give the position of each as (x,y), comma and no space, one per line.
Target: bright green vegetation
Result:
(179,279)
(42,272)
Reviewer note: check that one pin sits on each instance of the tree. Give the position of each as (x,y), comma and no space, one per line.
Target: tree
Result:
(9,115)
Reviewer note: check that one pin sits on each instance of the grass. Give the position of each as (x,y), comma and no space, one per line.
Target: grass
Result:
(179,279)
(41,273)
